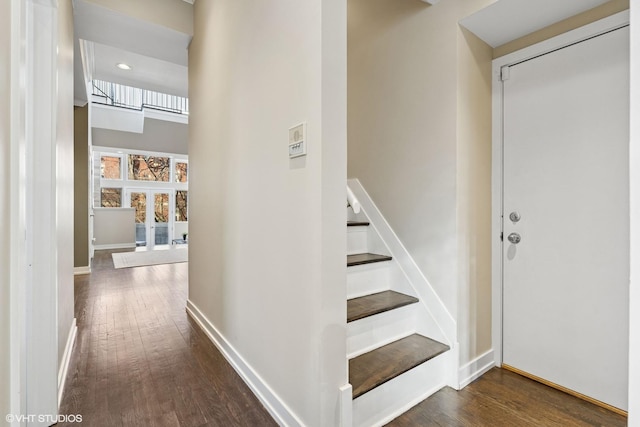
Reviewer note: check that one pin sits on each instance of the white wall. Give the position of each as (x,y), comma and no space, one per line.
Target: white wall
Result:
(473,182)
(179,228)
(420,143)
(157,135)
(634,311)
(65,176)
(402,125)
(174,14)
(5,225)
(267,234)
(114,227)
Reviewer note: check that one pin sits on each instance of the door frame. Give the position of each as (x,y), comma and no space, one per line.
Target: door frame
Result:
(33,387)
(607,24)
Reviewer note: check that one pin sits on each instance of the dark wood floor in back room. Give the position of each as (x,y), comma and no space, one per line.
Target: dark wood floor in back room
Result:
(140,361)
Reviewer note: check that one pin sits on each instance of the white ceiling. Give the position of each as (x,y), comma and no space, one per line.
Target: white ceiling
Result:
(507,20)
(147,72)
(157,54)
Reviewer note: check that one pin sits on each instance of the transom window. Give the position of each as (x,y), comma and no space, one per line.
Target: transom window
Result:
(149,168)
(110,167)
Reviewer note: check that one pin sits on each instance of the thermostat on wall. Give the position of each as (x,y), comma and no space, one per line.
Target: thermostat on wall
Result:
(297,140)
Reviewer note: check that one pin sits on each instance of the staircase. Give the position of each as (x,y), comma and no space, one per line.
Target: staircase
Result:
(395,361)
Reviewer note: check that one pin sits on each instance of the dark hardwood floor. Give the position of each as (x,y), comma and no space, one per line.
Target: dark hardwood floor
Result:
(139,360)
(502,398)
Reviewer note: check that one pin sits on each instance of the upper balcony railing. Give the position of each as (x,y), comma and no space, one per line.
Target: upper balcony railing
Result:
(118,95)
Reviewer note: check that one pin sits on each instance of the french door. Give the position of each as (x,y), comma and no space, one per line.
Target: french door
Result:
(154,216)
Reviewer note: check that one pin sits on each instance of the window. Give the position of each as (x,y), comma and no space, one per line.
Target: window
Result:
(161,207)
(110,167)
(111,197)
(181,172)
(139,202)
(149,168)
(181,205)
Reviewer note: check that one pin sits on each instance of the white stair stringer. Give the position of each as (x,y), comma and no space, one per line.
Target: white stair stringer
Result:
(387,401)
(435,320)
(428,317)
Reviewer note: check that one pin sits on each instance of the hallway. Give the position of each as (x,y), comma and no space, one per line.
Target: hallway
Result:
(139,360)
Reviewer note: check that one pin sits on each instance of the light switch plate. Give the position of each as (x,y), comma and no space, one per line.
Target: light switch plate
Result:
(297,140)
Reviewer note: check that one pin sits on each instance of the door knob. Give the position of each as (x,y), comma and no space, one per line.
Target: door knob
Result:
(514,216)
(514,238)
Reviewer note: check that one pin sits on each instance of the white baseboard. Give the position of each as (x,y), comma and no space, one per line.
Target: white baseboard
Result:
(66,359)
(283,415)
(475,369)
(78,271)
(114,246)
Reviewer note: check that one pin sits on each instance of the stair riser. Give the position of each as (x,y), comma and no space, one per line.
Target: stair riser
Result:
(351,216)
(357,240)
(375,331)
(384,403)
(370,278)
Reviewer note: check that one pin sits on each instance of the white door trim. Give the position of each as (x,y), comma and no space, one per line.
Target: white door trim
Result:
(41,213)
(634,169)
(33,279)
(18,211)
(588,31)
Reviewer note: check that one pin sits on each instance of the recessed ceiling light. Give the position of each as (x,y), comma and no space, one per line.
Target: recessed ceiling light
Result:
(123,66)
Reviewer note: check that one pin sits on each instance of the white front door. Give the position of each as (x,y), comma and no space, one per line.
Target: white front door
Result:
(566,188)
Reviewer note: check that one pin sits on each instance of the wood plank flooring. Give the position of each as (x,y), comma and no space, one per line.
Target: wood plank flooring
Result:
(504,399)
(140,361)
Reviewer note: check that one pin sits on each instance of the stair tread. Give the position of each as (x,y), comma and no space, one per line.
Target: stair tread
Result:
(357,223)
(368,305)
(366,258)
(376,367)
